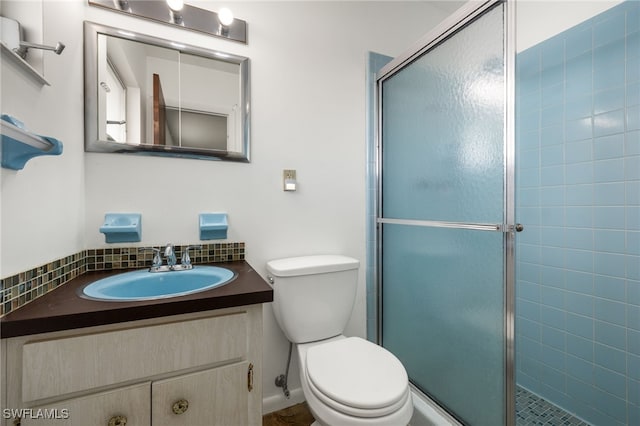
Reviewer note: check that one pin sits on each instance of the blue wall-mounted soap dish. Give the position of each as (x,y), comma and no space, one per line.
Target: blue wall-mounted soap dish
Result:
(213,226)
(122,227)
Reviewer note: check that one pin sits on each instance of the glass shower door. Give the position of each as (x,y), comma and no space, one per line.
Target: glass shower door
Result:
(443,214)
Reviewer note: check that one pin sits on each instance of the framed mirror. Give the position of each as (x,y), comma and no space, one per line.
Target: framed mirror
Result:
(146,95)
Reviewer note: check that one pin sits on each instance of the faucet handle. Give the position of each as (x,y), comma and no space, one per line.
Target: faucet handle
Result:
(186,260)
(157,259)
(170,254)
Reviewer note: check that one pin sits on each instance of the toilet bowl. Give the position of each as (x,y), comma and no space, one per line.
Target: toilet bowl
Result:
(345,380)
(350,381)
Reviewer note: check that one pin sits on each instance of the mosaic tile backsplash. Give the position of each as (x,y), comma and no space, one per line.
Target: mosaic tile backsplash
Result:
(19,289)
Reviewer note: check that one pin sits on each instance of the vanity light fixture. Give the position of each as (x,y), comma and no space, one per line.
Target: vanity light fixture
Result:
(177,13)
(225,16)
(176,5)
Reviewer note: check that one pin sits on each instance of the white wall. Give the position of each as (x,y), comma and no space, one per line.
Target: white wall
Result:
(308,113)
(538,20)
(43,205)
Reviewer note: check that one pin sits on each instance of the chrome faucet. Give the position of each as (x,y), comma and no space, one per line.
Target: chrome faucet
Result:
(157,260)
(185,261)
(170,254)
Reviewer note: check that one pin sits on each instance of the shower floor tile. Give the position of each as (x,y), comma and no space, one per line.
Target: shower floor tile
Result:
(532,410)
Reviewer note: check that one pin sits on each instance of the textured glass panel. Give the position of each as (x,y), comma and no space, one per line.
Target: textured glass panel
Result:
(443,316)
(443,128)
(443,308)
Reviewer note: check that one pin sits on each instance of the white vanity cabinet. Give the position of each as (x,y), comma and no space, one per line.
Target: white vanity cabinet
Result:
(194,369)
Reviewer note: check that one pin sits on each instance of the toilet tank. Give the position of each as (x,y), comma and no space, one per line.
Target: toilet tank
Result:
(313,296)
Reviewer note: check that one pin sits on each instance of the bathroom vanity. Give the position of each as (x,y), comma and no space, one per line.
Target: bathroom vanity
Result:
(74,361)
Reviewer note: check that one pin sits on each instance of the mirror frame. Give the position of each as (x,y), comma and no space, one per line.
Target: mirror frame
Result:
(93,143)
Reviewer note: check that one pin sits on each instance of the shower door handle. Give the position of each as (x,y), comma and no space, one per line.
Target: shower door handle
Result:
(518,227)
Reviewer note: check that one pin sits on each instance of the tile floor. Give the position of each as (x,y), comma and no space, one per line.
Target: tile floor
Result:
(531,410)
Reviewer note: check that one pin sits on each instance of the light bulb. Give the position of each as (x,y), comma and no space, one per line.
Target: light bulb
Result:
(175,4)
(225,16)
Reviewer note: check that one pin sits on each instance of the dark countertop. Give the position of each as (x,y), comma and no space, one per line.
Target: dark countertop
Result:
(63,309)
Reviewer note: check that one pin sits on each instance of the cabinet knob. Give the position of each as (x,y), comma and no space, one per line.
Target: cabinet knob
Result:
(180,406)
(118,421)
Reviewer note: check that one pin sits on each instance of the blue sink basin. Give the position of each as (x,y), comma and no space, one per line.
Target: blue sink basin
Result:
(145,285)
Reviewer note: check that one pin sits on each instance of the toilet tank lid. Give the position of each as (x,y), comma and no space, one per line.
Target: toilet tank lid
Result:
(309,265)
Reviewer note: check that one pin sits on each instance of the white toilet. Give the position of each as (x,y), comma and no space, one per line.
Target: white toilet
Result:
(346,380)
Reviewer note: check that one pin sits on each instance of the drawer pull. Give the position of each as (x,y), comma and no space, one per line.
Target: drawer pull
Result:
(118,421)
(180,406)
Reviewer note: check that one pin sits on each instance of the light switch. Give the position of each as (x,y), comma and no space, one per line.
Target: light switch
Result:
(289,180)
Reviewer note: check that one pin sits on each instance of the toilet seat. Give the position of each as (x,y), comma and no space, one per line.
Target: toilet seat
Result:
(356,377)
(358,412)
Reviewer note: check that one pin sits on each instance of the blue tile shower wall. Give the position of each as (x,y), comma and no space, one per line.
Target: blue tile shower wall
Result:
(578,194)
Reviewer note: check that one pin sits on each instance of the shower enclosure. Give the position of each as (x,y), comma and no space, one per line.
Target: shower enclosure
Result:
(578,192)
(476,311)
(445,214)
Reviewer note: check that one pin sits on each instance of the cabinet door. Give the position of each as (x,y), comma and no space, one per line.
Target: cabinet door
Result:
(129,404)
(119,356)
(215,397)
